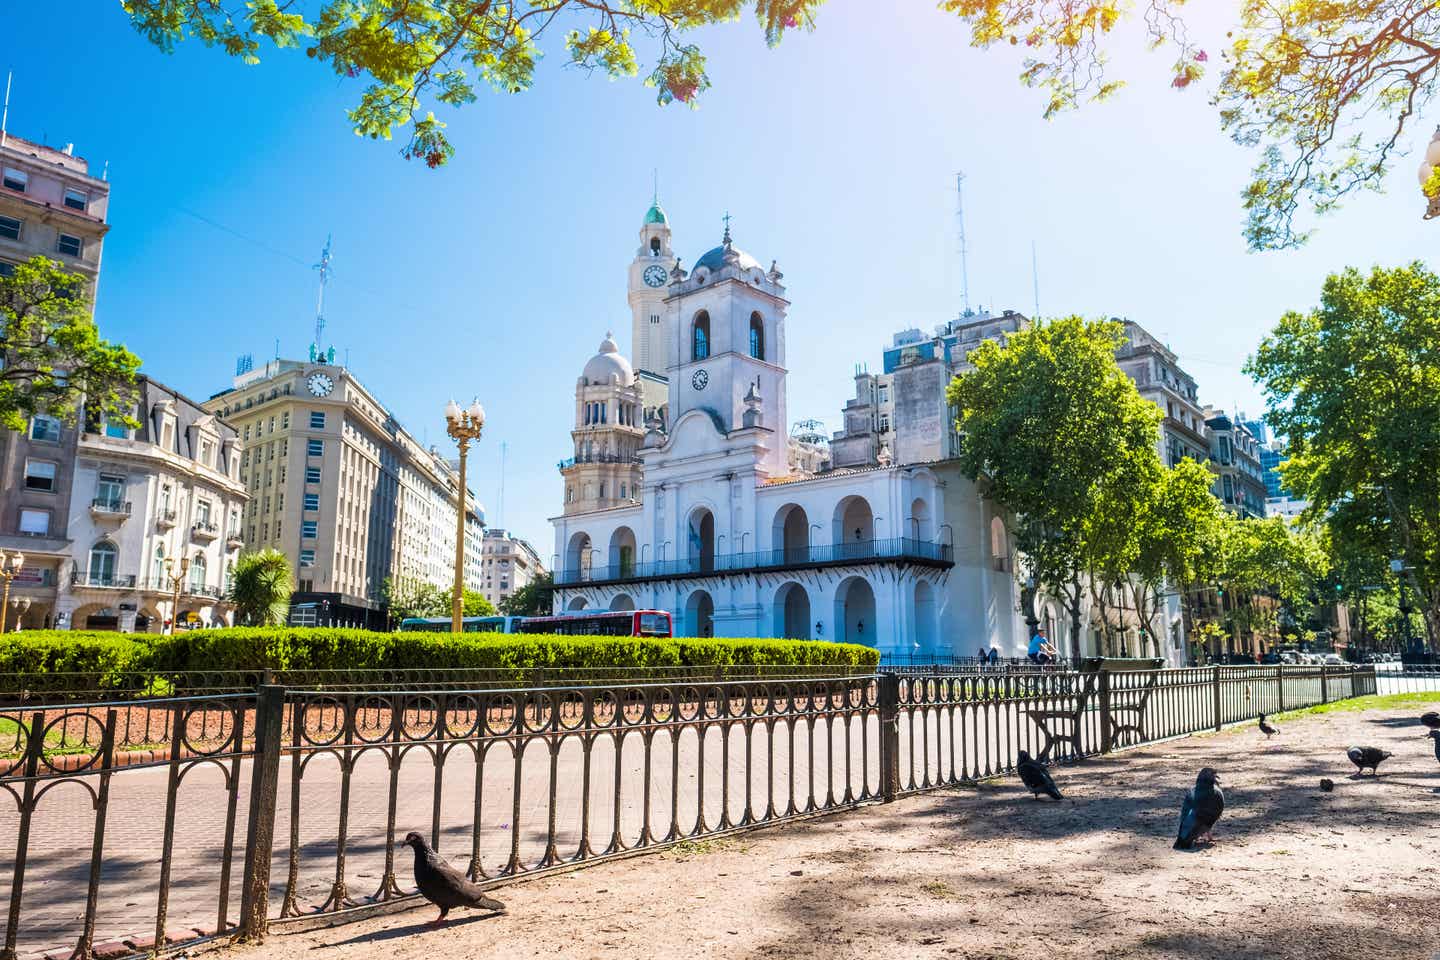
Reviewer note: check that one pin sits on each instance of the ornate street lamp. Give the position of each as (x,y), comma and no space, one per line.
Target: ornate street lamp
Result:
(9,570)
(463,426)
(1428,163)
(175,580)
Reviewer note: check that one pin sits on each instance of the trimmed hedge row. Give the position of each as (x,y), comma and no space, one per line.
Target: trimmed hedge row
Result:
(324,648)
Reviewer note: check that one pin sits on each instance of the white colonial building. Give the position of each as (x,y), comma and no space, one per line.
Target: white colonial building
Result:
(723,518)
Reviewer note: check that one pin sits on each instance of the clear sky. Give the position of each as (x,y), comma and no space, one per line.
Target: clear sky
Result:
(499,274)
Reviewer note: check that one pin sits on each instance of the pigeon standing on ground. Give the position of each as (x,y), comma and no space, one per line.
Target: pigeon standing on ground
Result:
(1201,807)
(442,884)
(1435,735)
(1431,720)
(1266,729)
(1036,778)
(1370,757)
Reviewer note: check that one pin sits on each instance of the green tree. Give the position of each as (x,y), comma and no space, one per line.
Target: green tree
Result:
(260,585)
(51,355)
(532,600)
(1354,386)
(474,604)
(407,598)
(1322,88)
(1056,430)
(1270,567)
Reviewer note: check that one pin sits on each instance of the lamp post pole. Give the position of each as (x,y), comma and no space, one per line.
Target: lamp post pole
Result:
(176,579)
(463,426)
(9,570)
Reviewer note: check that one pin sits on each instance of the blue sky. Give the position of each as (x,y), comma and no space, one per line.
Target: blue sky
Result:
(499,274)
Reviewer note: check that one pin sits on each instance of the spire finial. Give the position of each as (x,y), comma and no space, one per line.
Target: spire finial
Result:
(726,239)
(655,194)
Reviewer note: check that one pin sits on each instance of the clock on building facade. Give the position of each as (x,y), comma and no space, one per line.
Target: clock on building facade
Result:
(699,379)
(655,275)
(319,385)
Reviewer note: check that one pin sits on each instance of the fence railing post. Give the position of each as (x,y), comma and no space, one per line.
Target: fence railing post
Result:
(1215,690)
(260,835)
(889,690)
(1324,686)
(1279,688)
(1106,744)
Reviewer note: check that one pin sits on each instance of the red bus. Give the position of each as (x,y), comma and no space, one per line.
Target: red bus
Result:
(605,623)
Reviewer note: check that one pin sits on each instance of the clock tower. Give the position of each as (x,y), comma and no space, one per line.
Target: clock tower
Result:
(650,274)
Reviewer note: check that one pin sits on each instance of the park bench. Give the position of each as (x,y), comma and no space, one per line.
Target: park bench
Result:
(1120,715)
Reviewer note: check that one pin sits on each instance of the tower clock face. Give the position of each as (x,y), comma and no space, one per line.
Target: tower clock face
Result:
(699,379)
(319,385)
(655,275)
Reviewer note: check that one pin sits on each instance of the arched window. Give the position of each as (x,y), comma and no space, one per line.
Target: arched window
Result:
(654,246)
(197,573)
(102,564)
(757,336)
(700,336)
(157,566)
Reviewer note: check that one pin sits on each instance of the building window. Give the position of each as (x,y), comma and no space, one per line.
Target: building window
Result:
(116,429)
(110,490)
(315,448)
(285,420)
(309,529)
(157,565)
(884,423)
(207,453)
(44,428)
(202,512)
(10,228)
(197,572)
(7,269)
(68,245)
(246,434)
(312,474)
(757,337)
(317,419)
(700,336)
(36,522)
(312,501)
(16,180)
(76,200)
(102,564)
(39,475)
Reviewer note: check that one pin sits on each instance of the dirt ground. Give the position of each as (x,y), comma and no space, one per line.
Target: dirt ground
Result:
(987,872)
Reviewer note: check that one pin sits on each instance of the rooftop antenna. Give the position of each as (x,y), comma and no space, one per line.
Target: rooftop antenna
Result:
(105,171)
(500,509)
(960,218)
(1035,277)
(5,111)
(324,267)
(655,193)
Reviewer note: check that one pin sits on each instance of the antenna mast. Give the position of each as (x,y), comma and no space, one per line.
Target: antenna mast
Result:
(960,219)
(500,513)
(1035,278)
(5,111)
(324,267)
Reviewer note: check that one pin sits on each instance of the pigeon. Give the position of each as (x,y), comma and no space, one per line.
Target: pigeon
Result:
(1370,757)
(1266,729)
(442,884)
(1435,734)
(1036,778)
(1326,784)
(1202,806)
(1431,720)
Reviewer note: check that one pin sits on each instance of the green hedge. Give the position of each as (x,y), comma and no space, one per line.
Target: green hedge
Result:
(321,648)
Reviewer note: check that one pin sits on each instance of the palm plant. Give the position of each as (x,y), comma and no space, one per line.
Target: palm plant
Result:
(260,587)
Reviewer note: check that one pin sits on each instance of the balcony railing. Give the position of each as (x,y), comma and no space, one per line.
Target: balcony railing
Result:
(87,578)
(110,508)
(188,588)
(599,458)
(204,530)
(165,518)
(234,537)
(858,551)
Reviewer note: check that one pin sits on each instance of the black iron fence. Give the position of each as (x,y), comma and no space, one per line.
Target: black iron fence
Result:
(145,822)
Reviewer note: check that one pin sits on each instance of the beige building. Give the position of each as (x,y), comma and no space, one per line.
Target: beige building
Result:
(50,205)
(609,428)
(1159,379)
(509,563)
(340,487)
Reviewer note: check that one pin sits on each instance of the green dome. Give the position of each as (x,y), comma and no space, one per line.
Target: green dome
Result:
(655,214)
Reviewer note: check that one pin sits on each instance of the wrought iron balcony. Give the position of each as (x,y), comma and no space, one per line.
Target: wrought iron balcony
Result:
(106,507)
(599,458)
(188,587)
(165,519)
(204,530)
(233,538)
(99,578)
(852,552)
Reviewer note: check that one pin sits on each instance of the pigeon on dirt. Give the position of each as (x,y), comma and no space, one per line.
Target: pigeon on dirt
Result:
(1431,720)
(1326,784)
(1266,729)
(442,884)
(1370,757)
(1036,778)
(1435,735)
(1201,807)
